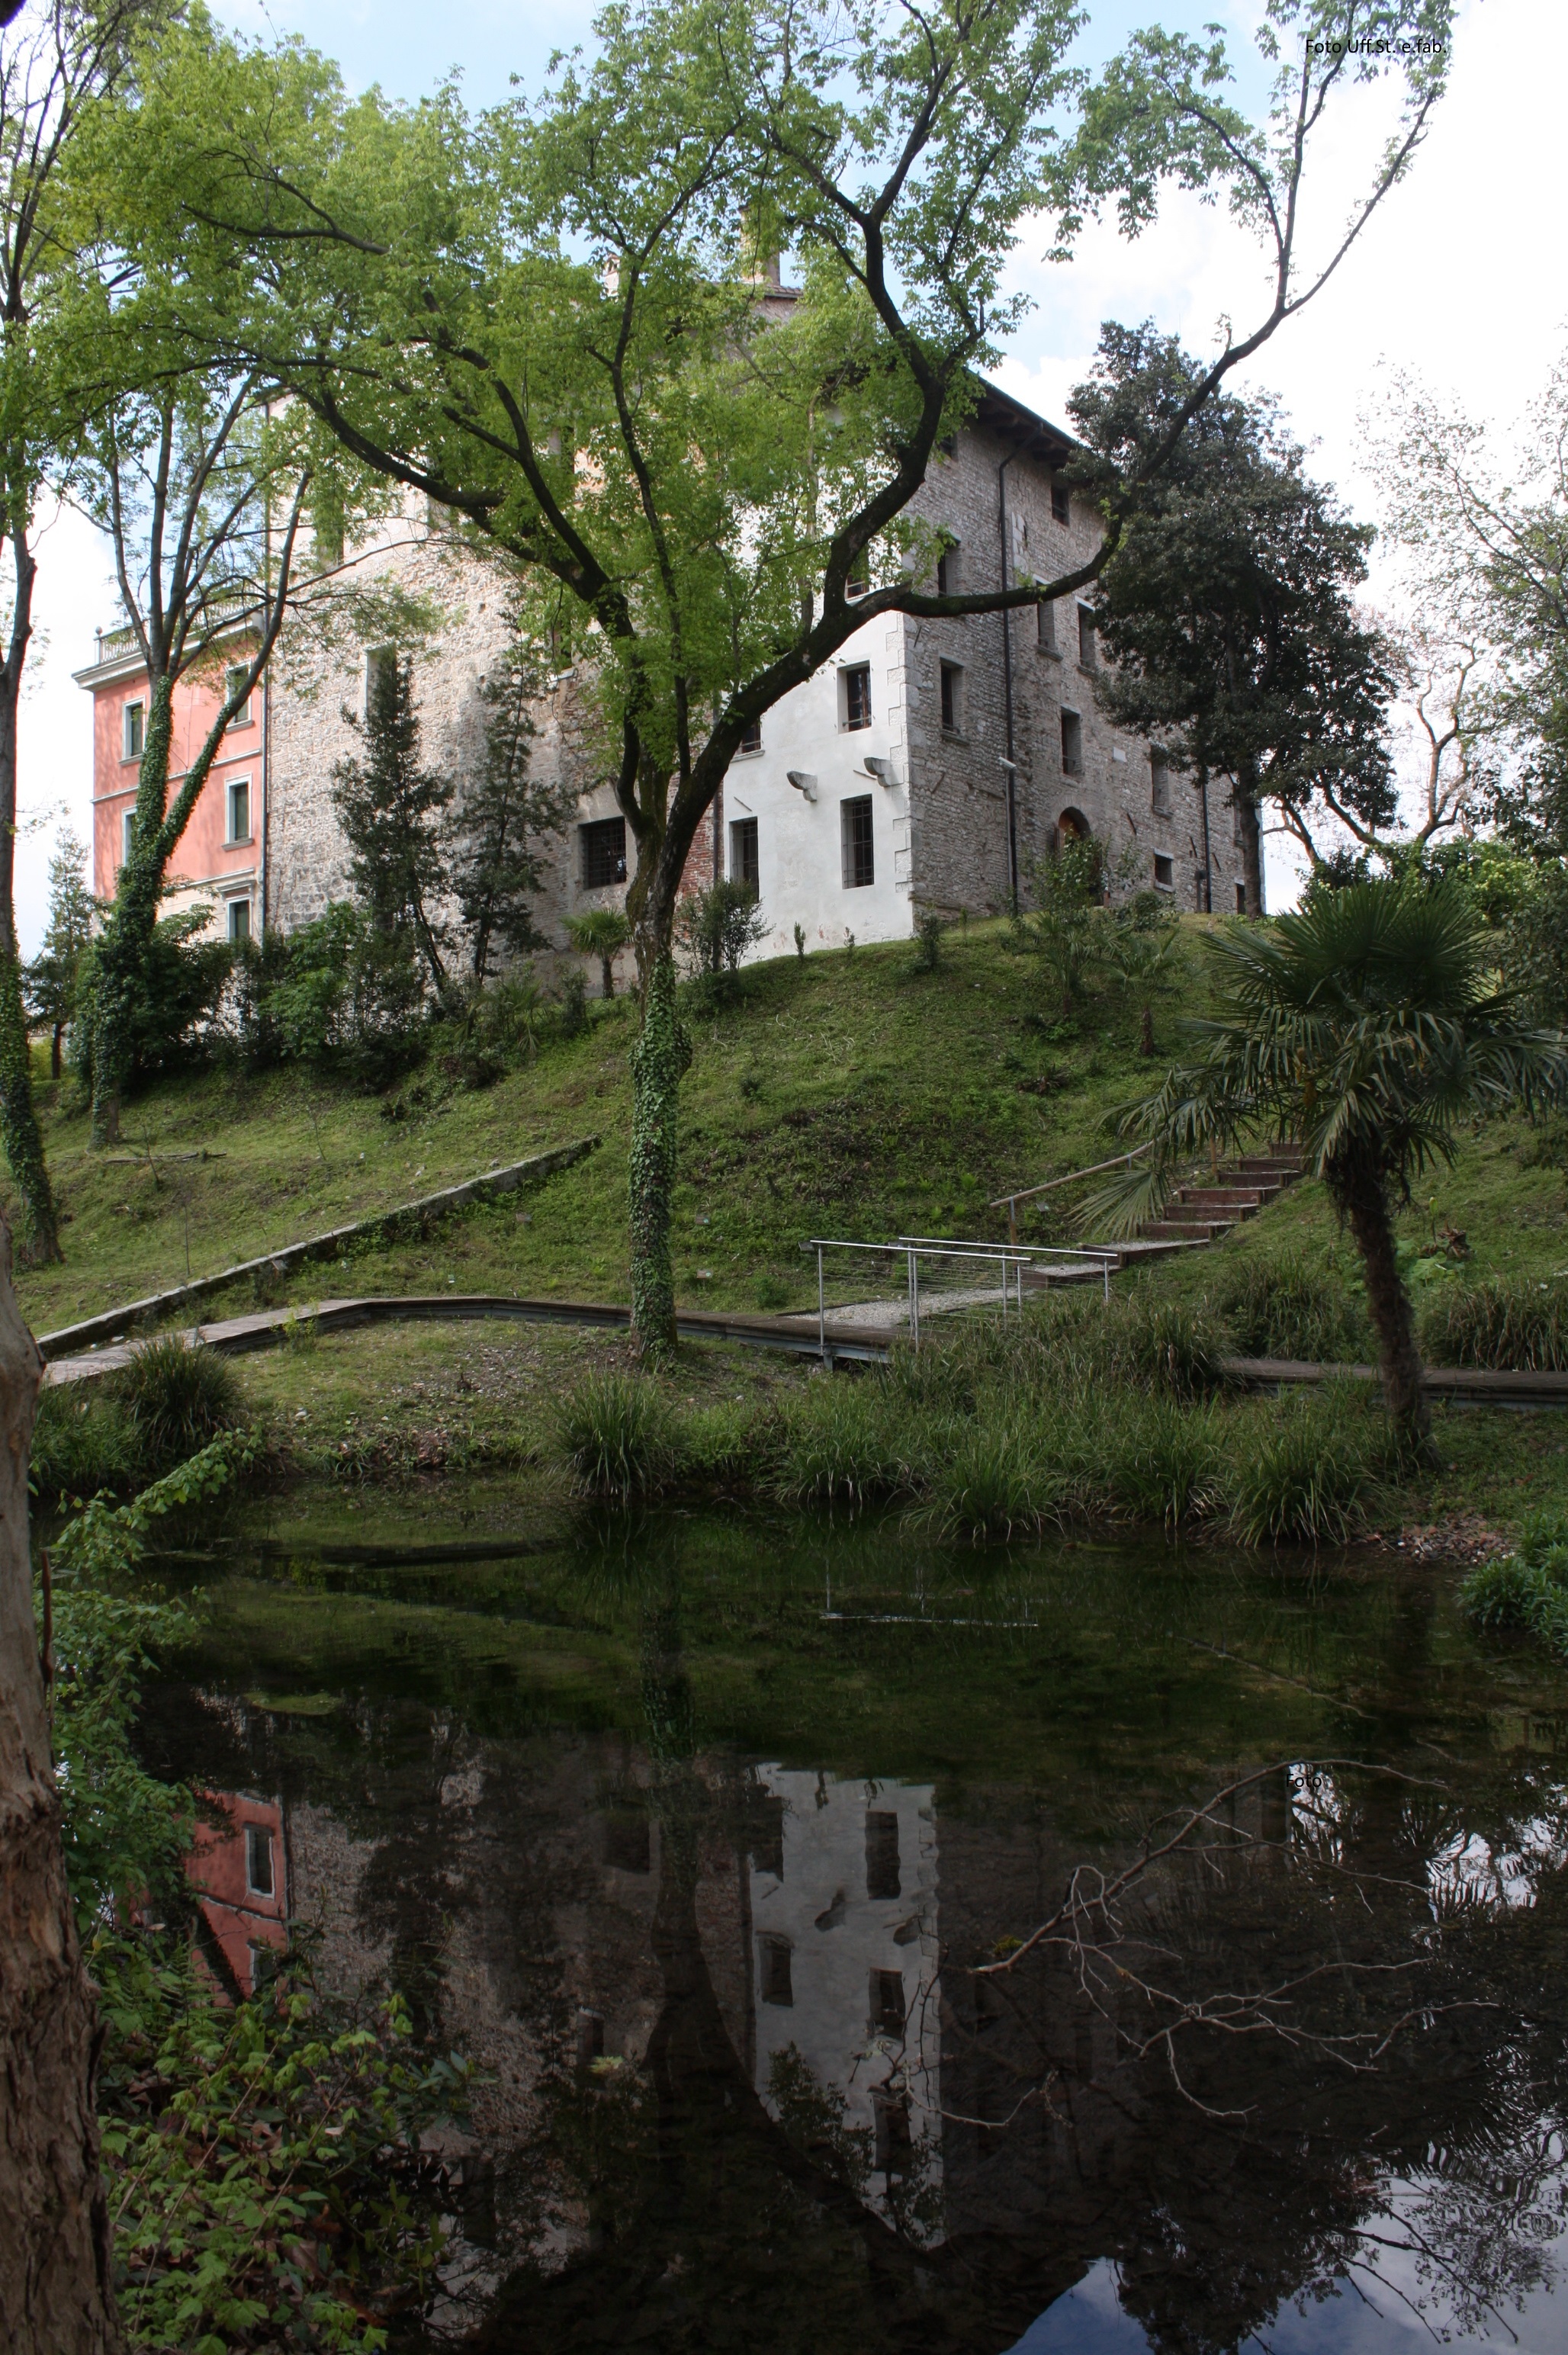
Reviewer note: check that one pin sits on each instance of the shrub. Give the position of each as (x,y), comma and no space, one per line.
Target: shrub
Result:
(1507,1323)
(614,1432)
(266,2183)
(928,930)
(1302,1474)
(82,1441)
(177,1398)
(1527,1592)
(1163,1343)
(1291,1312)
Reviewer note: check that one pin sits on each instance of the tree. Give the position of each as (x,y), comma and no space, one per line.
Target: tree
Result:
(601,934)
(51,75)
(1227,607)
(555,324)
(53,976)
(505,812)
(1143,951)
(388,807)
(1067,929)
(181,477)
(55,2293)
(1366,1028)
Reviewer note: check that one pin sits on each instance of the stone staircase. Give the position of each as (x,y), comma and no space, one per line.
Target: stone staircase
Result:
(1202,1213)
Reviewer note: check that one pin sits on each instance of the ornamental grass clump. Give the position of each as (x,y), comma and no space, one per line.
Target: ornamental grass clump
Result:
(1164,1460)
(178,1400)
(839,1443)
(1302,1473)
(1295,1312)
(615,1433)
(990,1481)
(1507,1323)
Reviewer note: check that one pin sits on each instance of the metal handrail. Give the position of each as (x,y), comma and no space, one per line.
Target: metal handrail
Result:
(1010,1202)
(912,1248)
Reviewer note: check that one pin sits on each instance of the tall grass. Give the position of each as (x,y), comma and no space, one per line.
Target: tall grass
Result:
(178,1399)
(1505,1323)
(1165,1461)
(1525,1592)
(1271,1310)
(1305,1473)
(839,1443)
(618,1438)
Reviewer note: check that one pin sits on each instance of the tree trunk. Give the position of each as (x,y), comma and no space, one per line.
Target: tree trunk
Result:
(119,968)
(659,1060)
(1362,1196)
(19,1129)
(55,2293)
(607,971)
(1145,1042)
(57,1055)
(1251,850)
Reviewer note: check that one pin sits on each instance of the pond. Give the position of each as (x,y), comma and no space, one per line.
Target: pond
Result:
(704,1834)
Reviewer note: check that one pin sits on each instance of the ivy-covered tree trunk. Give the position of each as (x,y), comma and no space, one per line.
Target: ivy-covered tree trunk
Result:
(20,1130)
(1250,828)
(1360,1193)
(659,1063)
(120,962)
(55,2292)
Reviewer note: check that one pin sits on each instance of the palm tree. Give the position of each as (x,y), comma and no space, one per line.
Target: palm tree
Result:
(1366,1028)
(600,933)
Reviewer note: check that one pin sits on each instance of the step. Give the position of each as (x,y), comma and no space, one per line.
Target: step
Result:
(1267,1165)
(1243,1198)
(1186,1230)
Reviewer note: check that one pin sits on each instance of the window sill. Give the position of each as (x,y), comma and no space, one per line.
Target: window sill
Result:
(240,842)
(853,727)
(1074,776)
(954,736)
(1051,654)
(746,753)
(1088,669)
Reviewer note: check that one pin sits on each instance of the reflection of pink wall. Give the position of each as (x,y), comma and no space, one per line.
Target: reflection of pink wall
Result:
(202,854)
(240,1917)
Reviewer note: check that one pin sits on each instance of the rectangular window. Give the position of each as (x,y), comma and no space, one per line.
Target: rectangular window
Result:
(773,1956)
(258,1861)
(1061,503)
(135,724)
(744,864)
(855,825)
(751,737)
(232,680)
(604,853)
(237,803)
(1045,625)
(263,1962)
(127,825)
(952,699)
(239,921)
(1071,745)
(1088,653)
(948,572)
(1160,778)
(859,579)
(381,671)
(887,2003)
(854,689)
(1241,899)
(895,2149)
(881,1854)
(1164,872)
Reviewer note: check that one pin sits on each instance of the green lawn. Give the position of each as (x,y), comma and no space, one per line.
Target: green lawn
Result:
(841,1094)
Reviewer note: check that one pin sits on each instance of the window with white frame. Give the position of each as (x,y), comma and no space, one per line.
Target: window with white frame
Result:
(233,679)
(1088,648)
(745,865)
(134,723)
(238,926)
(237,810)
(750,737)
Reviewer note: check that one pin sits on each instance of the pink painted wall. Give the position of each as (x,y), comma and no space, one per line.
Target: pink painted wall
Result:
(240,1916)
(203,853)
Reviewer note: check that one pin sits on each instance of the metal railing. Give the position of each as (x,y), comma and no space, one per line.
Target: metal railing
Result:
(1010,1202)
(912,1249)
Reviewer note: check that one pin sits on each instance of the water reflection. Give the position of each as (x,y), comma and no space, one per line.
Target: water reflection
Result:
(752,2083)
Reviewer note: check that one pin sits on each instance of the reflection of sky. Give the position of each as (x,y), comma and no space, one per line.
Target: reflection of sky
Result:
(1352,2321)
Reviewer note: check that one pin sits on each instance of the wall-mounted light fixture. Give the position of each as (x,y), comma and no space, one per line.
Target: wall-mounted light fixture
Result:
(804,783)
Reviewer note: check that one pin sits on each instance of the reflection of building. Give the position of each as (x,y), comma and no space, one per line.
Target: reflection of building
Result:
(242,1874)
(845,1954)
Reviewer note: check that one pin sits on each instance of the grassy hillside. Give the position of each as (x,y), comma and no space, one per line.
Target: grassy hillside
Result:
(843,1094)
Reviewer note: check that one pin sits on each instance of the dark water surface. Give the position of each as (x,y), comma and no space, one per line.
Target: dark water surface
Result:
(697,1833)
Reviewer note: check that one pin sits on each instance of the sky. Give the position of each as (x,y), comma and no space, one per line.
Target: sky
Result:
(1460,279)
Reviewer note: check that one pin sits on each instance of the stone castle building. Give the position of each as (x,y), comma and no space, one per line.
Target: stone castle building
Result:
(928,767)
